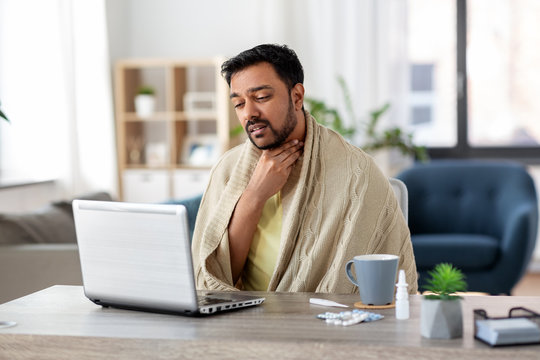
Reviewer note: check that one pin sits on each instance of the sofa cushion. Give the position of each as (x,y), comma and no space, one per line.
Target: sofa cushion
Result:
(51,224)
(467,251)
(11,232)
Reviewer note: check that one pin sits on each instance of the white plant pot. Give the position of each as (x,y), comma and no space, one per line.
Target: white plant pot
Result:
(144,105)
(441,319)
(391,161)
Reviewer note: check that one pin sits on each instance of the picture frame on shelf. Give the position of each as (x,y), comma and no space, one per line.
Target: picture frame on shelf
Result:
(200,150)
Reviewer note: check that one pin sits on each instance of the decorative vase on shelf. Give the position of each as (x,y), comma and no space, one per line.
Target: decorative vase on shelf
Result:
(135,146)
(145,102)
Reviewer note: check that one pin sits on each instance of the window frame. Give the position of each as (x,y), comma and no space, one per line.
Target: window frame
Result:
(463,150)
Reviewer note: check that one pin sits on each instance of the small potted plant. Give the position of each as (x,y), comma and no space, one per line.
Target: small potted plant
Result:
(441,307)
(145,101)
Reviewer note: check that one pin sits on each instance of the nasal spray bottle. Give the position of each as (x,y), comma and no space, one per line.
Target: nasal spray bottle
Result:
(402,297)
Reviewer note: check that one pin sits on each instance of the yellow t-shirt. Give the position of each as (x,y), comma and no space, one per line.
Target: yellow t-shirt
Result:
(264,248)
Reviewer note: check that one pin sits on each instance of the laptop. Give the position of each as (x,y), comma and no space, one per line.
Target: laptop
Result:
(138,257)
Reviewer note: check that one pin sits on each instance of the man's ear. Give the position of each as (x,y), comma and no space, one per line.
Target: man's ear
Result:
(297,96)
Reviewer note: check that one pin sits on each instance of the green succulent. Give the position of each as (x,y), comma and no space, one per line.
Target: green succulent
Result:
(146,90)
(445,280)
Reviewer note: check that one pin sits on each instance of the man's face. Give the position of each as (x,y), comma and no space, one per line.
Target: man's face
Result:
(263,105)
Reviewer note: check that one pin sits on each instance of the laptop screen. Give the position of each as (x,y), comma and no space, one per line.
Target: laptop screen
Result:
(136,254)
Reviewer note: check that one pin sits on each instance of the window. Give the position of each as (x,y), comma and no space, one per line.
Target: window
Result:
(432,72)
(422,94)
(474,70)
(503,72)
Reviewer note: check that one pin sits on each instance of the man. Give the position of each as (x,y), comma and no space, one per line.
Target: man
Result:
(287,209)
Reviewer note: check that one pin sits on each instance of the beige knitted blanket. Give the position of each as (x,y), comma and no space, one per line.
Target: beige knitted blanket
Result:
(336,204)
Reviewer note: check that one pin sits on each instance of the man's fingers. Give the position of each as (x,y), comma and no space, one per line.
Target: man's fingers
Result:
(286,150)
(284,147)
(282,158)
(274,167)
(292,155)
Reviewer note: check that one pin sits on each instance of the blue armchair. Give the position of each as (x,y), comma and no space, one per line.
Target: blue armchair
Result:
(192,206)
(480,216)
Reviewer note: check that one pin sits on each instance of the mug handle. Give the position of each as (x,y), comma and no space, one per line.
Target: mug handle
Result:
(349,273)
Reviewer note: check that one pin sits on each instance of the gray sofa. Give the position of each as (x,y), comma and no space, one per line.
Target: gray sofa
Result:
(39,249)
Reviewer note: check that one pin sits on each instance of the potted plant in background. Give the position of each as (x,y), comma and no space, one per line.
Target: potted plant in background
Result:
(393,137)
(440,316)
(375,141)
(145,101)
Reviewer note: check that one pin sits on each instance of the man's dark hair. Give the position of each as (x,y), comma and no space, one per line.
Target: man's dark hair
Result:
(283,59)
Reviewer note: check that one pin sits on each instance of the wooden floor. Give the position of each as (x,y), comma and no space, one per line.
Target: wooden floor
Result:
(528,286)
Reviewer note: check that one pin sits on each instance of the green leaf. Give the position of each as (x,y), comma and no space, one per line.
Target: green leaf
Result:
(2,115)
(390,138)
(235,131)
(376,114)
(445,280)
(347,97)
(146,90)
(328,117)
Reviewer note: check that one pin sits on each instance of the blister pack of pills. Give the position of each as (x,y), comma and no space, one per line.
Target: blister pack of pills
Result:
(347,318)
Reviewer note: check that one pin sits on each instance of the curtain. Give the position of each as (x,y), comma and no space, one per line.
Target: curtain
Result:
(364,41)
(55,87)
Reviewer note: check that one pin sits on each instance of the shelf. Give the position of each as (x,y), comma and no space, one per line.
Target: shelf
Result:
(196,115)
(191,167)
(157,116)
(183,138)
(146,167)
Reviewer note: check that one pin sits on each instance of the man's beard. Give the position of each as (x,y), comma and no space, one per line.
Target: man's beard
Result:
(281,135)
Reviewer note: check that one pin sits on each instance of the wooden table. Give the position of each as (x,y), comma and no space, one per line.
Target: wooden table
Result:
(60,323)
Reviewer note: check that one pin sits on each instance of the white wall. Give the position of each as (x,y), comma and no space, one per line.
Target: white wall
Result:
(331,37)
(171,28)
